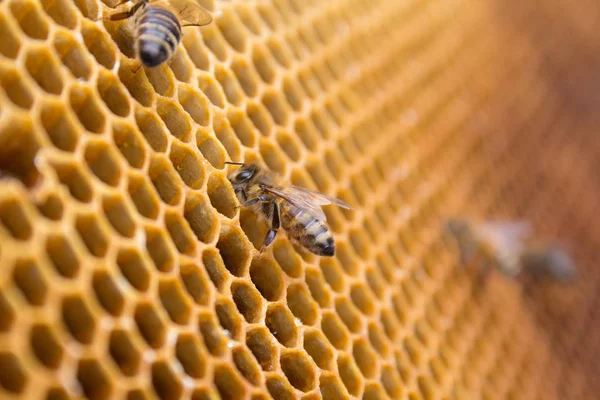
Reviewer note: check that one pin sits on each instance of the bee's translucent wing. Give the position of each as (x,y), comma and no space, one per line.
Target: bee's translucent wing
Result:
(305,199)
(189,12)
(507,241)
(320,198)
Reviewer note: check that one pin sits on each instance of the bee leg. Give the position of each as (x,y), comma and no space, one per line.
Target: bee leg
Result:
(252,202)
(275,223)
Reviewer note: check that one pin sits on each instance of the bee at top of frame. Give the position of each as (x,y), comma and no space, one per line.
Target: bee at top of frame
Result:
(296,209)
(158,26)
(507,246)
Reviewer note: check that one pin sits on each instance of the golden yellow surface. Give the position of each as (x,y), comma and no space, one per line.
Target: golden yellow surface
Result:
(128,273)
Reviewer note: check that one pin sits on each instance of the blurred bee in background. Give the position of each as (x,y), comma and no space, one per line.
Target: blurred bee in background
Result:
(296,209)
(157,26)
(506,246)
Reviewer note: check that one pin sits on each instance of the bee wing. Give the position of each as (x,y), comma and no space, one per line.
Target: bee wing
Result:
(320,198)
(506,241)
(189,12)
(300,199)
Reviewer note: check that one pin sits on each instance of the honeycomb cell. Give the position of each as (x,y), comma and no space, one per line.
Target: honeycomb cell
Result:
(347,258)
(316,284)
(30,281)
(108,293)
(44,69)
(242,127)
(245,75)
(30,19)
(92,235)
(75,180)
(215,267)
(99,44)
(13,378)
(165,180)
(228,383)
(137,85)
(10,44)
(182,67)
(124,353)
(235,251)
(287,258)
(231,29)
(72,54)
(87,109)
(263,347)
(306,132)
(263,65)
(59,126)
(117,213)
(365,358)
(211,149)
(426,387)
(317,346)
(335,330)
(12,83)
(260,117)
(277,107)
(196,283)
(214,338)
(274,158)
(362,298)
(134,268)
(281,323)
(227,137)
(150,325)
(152,128)
(180,233)
(174,301)
(78,318)
(289,144)
(373,391)
(57,393)
(229,85)
(45,346)
(195,104)
(331,387)
(333,274)
(143,196)
(350,374)
(7,314)
(175,119)
(349,315)
(165,382)
(61,11)
(301,305)
(267,277)
(159,250)
(299,370)
(212,91)
(14,220)
(188,165)
(391,382)
(191,355)
(247,365)
(113,94)
(248,301)
(162,80)
(229,318)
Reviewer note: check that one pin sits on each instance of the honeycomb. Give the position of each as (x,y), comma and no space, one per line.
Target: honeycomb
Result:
(128,272)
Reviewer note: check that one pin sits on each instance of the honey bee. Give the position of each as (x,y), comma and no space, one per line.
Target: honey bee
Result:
(296,209)
(158,26)
(507,246)
(499,244)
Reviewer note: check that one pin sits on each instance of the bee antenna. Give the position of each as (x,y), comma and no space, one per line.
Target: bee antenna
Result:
(233,163)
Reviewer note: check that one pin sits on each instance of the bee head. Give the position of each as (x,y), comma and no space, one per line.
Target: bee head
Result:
(244,174)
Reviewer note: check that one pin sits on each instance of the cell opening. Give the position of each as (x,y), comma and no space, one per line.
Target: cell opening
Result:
(175,119)
(196,283)
(112,94)
(30,19)
(107,293)
(317,346)
(260,343)
(44,70)
(12,376)
(227,383)
(150,325)
(267,277)
(78,319)
(213,335)
(188,165)
(301,304)
(85,105)
(62,256)
(180,233)
(124,353)
(31,282)
(134,269)
(174,301)
(165,181)
(118,215)
(92,235)
(282,325)
(153,129)
(248,301)
(14,87)
(247,365)
(45,346)
(165,382)
(211,149)
(191,355)
(159,249)
(195,104)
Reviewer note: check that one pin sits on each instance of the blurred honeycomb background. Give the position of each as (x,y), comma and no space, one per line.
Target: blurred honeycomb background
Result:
(128,273)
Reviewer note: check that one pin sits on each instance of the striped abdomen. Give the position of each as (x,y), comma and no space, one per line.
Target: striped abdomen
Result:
(158,33)
(310,232)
